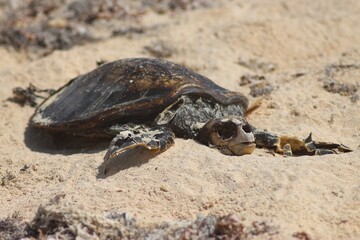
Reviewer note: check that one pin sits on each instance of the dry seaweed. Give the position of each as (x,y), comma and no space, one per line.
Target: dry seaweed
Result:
(259,85)
(335,80)
(257,65)
(61,221)
(12,227)
(44,25)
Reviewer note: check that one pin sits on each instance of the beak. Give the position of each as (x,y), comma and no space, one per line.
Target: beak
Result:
(244,143)
(243,148)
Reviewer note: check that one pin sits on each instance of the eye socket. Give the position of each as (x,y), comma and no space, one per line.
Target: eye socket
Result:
(247,128)
(227,130)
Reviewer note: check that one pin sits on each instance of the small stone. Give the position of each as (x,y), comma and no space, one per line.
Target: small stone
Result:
(164,188)
(295,112)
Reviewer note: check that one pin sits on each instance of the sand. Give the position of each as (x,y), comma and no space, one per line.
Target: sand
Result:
(317,195)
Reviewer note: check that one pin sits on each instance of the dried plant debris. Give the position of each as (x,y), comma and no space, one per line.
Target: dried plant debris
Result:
(257,65)
(12,227)
(163,6)
(262,88)
(344,89)
(298,74)
(160,49)
(133,29)
(5,180)
(301,236)
(30,95)
(58,220)
(90,11)
(259,86)
(125,30)
(46,25)
(36,24)
(250,79)
(25,168)
(337,77)
(332,69)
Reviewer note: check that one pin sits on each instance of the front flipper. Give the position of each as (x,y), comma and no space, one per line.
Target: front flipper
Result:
(156,139)
(322,148)
(289,146)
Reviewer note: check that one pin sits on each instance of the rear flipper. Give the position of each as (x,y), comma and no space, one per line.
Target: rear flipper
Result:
(30,95)
(154,138)
(289,146)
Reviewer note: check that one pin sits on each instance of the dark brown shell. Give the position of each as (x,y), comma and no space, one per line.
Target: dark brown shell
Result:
(136,89)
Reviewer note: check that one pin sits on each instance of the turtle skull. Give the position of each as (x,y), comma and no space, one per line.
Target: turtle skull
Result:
(231,135)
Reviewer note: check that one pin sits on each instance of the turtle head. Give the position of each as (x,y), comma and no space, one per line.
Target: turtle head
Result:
(232,135)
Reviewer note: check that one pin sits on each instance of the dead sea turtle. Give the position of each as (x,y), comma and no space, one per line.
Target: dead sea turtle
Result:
(143,102)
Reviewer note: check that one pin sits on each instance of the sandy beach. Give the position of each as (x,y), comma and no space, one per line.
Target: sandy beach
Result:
(304,50)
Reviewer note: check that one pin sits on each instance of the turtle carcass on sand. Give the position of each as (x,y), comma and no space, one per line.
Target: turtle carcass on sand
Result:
(143,102)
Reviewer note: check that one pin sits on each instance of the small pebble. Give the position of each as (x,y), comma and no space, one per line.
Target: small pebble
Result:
(164,188)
